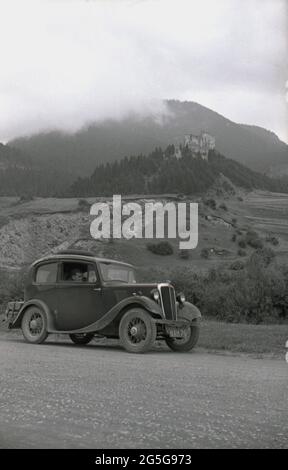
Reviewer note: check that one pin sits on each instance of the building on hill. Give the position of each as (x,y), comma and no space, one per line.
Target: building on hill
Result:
(200,144)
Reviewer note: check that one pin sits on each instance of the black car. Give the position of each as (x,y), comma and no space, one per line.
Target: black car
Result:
(81,295)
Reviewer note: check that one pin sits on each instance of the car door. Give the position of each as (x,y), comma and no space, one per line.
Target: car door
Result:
(44,284)
(79,300)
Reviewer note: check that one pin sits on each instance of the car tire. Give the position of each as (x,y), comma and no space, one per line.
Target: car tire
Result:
(34,325)
(81,338)
(137,331)
(190,341)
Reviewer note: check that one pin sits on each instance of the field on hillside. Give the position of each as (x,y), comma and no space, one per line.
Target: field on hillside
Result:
(34,228)
(233,229)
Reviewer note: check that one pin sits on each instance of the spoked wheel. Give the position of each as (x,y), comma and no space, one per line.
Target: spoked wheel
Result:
(81,338)
(137,331)
(189,340)
(34,325)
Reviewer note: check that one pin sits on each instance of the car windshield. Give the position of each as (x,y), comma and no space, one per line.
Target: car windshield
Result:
(117,272)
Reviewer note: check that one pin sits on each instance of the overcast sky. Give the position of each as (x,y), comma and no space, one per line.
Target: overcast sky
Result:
(66,63)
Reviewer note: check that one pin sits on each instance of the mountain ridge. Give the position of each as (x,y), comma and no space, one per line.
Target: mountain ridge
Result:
(110,140)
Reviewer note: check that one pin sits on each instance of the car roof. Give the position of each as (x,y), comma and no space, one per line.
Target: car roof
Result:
(78,257)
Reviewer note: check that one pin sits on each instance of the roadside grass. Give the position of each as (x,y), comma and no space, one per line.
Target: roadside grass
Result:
(219,337)
(244,338)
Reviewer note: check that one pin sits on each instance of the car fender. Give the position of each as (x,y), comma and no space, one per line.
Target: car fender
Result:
(189,311)
(39,303)
(134,301)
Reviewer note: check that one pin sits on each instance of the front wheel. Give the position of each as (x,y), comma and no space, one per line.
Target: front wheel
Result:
(137,331)
(34,325)
(81,338)
(191,334)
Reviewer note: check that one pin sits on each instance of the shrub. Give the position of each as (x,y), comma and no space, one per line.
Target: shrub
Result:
(83,204)
(237,265)
(256,243)
(234,221)
(205,253)
(263,255)
(11,286)
(25,198)
(241,252)
(161,248)
(234,237)
(210,203)
(184,254)
(223,207)
(242,243)
(254,294)
(4,220)
(253,240)
(272,239)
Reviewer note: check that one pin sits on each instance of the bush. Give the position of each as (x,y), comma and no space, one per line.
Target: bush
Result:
(253,240)
(4,220)
(210,203)
(205,253)
(11,286)
(25,198)
(242,243)
(160,248)
(263,255)
(223,207)
(237,265)
(234,237)
(241,252)
(83,204)
(254,294)
(256,243)
(272,239)
(184,254)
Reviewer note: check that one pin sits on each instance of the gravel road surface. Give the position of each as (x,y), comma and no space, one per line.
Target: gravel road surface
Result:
(59,395)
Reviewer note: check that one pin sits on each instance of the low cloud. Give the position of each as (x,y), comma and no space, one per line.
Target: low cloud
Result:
(65,64)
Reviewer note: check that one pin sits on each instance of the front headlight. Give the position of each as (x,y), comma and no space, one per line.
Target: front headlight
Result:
(155,295)
(181,298)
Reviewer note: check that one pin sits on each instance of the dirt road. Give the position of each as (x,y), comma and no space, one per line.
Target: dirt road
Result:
(58,395)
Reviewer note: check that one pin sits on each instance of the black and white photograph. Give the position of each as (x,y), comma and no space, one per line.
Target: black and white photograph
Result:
(143,227)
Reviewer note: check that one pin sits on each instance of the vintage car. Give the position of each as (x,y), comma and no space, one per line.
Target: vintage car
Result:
(76,293)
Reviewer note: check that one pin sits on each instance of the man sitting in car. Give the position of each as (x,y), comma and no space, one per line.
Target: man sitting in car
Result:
(77,275)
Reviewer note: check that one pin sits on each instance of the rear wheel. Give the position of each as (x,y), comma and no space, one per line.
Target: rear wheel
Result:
(137,331)
(34,325)
(81,338)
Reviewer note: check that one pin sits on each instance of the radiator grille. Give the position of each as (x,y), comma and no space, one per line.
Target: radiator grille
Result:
(168,302)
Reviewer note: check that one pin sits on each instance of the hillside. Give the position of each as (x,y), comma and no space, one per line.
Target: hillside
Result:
(161,172)
(31,229)
(110,140)
(22,176)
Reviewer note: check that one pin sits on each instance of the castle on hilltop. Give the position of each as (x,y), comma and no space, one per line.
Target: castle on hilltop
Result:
(200,144)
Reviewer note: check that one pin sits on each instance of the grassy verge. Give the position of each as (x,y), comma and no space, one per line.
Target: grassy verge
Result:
(258,340)
(244,338)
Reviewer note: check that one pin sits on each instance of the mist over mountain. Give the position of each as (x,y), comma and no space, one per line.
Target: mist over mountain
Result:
(111,140)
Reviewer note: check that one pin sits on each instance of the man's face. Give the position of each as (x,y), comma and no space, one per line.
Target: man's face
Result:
(77,276)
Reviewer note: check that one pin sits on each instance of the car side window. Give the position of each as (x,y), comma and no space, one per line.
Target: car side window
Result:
(78,272)
(46,273)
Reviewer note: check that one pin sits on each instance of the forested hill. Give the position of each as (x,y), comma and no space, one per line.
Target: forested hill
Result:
(111,140)
(21,176)
(161,172)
